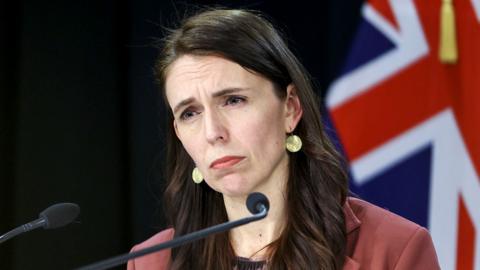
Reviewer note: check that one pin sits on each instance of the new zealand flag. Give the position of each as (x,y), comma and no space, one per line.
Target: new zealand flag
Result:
(410,124)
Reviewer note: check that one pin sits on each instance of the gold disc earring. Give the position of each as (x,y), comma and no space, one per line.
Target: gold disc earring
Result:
(293,143)
(197,176)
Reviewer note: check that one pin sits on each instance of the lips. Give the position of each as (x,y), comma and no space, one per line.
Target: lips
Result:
(225,162)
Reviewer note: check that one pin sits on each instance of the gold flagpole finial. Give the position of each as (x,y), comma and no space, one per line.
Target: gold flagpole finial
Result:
(448,41)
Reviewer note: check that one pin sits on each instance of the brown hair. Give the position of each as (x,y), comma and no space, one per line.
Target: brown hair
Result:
(314,236)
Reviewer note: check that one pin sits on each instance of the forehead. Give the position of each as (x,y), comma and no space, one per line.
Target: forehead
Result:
(190,74)
(193,68)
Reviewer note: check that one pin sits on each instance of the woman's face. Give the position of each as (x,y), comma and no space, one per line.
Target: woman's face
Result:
(231,123)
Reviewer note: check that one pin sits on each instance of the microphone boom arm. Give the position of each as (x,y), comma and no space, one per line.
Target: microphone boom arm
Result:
(24,228)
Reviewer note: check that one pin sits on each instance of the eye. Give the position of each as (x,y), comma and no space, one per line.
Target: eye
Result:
(234,100)
(187,114)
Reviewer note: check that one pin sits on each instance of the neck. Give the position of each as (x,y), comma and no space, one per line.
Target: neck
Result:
(250,240)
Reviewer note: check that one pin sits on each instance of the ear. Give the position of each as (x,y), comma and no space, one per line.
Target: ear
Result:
(293,109)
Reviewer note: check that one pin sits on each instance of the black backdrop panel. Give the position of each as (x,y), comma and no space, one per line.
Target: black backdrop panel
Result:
(69,133)
(9,20)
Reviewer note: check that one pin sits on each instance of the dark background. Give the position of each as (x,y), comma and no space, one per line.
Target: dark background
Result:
(81,120)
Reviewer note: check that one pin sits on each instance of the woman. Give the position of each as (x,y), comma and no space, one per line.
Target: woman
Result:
(245,118)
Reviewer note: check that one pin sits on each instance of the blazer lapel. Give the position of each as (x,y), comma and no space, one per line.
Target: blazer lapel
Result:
(350,264)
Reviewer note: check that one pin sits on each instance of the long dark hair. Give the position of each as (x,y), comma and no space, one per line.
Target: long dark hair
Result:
(314,236)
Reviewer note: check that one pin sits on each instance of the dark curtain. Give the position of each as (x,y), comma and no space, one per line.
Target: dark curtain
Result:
(81,120)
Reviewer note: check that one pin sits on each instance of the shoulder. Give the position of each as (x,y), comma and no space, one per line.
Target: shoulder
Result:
(381,221)
(158,260)
(158,238)
(384,240)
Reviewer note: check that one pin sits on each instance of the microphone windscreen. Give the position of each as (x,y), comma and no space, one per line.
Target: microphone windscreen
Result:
(255,200)
(59,215)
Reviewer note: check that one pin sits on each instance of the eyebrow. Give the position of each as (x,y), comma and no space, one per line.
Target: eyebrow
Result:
(219,93)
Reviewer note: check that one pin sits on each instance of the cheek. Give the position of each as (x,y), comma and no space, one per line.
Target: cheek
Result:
(190,141)
(263,133)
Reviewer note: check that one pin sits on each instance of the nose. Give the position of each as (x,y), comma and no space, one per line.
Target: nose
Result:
(214,127)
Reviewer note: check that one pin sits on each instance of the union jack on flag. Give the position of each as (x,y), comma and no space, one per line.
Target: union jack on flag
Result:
(410,124)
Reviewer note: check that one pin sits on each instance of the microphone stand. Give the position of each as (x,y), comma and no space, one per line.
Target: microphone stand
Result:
(120,259)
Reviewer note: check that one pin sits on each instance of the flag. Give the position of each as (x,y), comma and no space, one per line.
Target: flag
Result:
(409,123)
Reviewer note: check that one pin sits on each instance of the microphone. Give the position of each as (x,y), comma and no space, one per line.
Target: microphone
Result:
(55,216)
(257,204)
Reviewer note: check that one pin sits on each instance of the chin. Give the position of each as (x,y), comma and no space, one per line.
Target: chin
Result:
(234,187)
